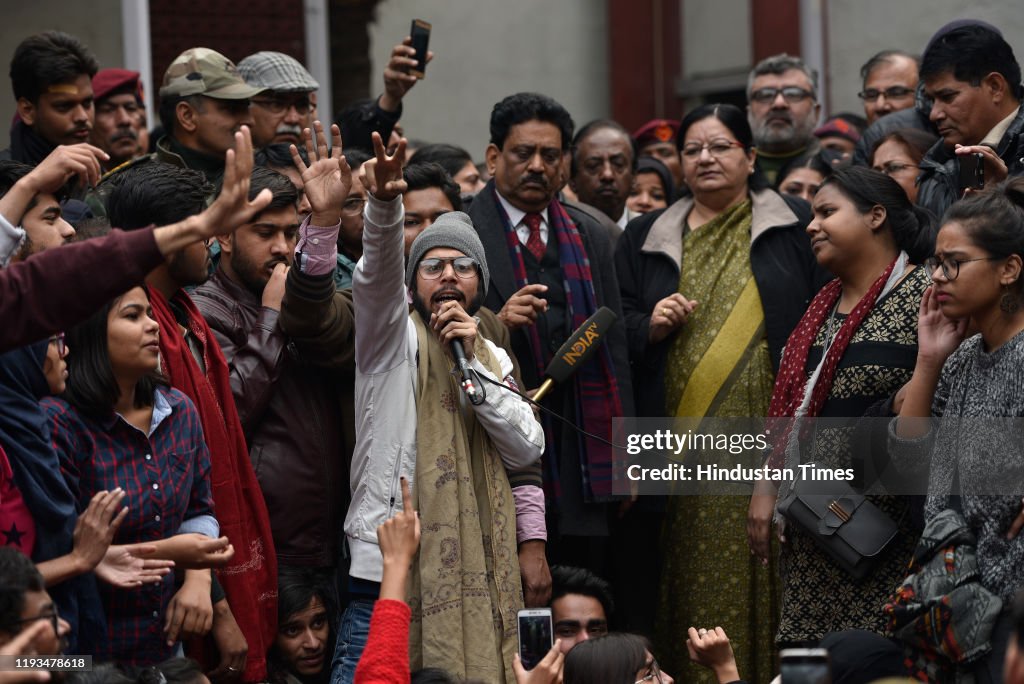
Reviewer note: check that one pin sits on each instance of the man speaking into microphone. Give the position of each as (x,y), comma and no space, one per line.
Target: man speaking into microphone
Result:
(414,420)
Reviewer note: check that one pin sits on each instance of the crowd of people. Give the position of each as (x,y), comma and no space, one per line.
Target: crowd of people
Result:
(267,384)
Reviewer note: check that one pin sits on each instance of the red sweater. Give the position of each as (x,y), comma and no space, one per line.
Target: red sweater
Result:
(386,656)
(56,289)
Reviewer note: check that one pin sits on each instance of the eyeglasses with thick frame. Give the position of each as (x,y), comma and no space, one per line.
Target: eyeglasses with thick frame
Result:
(431,269)
(791,94)
(716,148)
(53,617)
(950,266)
(58,339)
(654,675)
(890,93)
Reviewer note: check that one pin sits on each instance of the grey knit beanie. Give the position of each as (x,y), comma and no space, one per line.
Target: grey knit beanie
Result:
(453,230)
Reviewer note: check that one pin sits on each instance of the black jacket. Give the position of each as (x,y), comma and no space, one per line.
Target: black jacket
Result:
(491,229)
(939,182)
(487,219)
(785,270)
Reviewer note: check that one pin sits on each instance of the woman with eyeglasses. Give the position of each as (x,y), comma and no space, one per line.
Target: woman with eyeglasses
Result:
(711,288)
(899,154)
(854,348)
(118,424)
(974,465)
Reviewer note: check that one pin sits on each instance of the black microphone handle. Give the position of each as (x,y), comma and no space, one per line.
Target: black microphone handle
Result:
(476,396)
(459,352)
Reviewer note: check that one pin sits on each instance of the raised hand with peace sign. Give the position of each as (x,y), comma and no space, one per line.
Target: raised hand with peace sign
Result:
(382,175)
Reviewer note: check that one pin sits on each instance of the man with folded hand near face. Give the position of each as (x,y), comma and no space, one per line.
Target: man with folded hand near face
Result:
(413,420)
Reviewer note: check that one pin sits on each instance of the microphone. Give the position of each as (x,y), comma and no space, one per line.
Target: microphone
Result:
(466,373)
(575,351)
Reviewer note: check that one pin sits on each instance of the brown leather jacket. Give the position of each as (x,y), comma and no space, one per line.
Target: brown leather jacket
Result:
(295,409)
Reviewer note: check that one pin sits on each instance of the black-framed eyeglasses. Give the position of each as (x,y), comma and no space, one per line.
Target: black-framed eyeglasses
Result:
(432,268)
(892,168)
(950,266)
(790,94)
(53,617)
(275,106)
(653,674)
(58,340)
(890,93)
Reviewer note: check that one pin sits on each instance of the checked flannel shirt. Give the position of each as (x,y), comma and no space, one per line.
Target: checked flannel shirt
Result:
(166,477)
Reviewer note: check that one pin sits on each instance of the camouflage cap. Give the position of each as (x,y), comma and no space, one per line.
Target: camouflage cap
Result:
(202,71)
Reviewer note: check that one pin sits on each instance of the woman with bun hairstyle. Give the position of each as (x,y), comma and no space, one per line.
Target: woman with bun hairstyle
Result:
(711,288)
(976,285)
(854,347)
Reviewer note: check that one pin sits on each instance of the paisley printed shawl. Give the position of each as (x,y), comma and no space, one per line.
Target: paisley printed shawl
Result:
(465,589)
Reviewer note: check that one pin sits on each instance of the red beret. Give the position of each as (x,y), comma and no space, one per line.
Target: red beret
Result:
(655,131)
(109,81)
(839,128)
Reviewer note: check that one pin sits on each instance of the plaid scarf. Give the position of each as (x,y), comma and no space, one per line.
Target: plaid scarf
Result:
(596,389)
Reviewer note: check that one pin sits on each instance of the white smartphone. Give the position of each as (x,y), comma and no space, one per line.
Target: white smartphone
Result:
(535,635)
(805,666)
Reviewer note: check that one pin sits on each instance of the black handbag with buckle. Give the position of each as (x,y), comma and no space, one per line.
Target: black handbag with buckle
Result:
(851,530)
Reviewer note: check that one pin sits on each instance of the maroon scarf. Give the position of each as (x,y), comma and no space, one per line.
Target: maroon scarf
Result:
(791,381)
(250,580)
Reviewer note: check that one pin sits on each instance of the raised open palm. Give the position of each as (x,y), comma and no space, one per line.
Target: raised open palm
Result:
(327,178)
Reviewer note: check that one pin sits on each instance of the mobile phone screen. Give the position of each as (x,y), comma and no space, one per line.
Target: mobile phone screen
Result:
(420,34)
(972,171)
(534,637)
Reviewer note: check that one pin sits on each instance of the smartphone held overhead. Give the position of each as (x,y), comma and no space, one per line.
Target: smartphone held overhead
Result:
(420,35)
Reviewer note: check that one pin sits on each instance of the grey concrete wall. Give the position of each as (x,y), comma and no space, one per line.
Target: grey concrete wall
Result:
(487,49)
(97,23)
(858,29)
(716,38)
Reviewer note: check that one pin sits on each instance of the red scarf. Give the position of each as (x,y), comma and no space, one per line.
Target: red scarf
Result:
(250,580)
(791,381)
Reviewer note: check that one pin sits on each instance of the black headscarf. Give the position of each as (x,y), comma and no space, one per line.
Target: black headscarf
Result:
(647,164)
(25,436)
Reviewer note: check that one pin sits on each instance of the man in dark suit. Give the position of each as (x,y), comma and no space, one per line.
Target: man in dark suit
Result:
(552,269)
